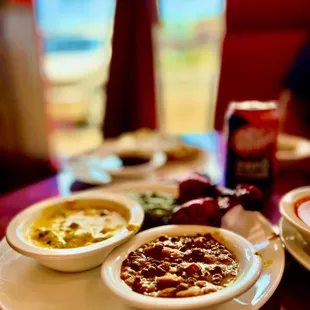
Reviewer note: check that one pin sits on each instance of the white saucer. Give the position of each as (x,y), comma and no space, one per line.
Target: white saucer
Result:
(294,243)
(293,152)
(25,285)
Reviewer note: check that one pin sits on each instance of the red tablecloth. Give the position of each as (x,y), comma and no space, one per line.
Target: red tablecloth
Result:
(295,285)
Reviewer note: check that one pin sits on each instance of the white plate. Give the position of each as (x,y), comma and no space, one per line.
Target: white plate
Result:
(90,168)
(295,243)
(88,171)
(25,285)
(93,169)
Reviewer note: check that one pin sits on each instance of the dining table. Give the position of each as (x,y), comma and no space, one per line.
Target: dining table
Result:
(292,293)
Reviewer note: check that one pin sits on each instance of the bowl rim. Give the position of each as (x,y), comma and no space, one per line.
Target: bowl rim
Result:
(132,298)
(19,244)
(287,208)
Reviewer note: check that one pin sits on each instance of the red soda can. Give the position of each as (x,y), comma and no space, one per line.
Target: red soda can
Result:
(252,128)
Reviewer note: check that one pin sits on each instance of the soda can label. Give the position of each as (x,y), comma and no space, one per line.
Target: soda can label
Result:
(251,144)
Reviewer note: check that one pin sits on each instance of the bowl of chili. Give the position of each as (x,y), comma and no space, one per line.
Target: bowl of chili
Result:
(181,267)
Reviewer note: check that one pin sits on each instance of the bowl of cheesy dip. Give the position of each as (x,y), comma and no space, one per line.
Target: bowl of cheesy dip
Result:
(74,233)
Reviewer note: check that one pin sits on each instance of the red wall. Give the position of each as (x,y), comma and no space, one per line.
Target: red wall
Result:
(262,40)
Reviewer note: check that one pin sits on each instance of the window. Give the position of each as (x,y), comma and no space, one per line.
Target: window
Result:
(189,62)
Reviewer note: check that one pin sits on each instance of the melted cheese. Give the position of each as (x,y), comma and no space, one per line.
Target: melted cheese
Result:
(68,226)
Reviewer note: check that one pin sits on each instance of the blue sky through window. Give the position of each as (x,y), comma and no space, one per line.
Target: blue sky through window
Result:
(68,23)
(59,16)
(176,11)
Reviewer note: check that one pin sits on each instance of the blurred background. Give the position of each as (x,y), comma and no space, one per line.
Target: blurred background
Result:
(74,72)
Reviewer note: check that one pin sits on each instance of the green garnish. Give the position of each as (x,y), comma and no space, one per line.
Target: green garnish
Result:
(158,207)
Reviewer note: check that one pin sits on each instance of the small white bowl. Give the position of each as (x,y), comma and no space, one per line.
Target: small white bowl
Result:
(250,269)
(287,209)
(73,259)
(156,160)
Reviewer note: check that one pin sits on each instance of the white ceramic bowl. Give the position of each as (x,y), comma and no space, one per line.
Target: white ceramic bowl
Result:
(74,259)
(287,209)
(156,160)
(250,268)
